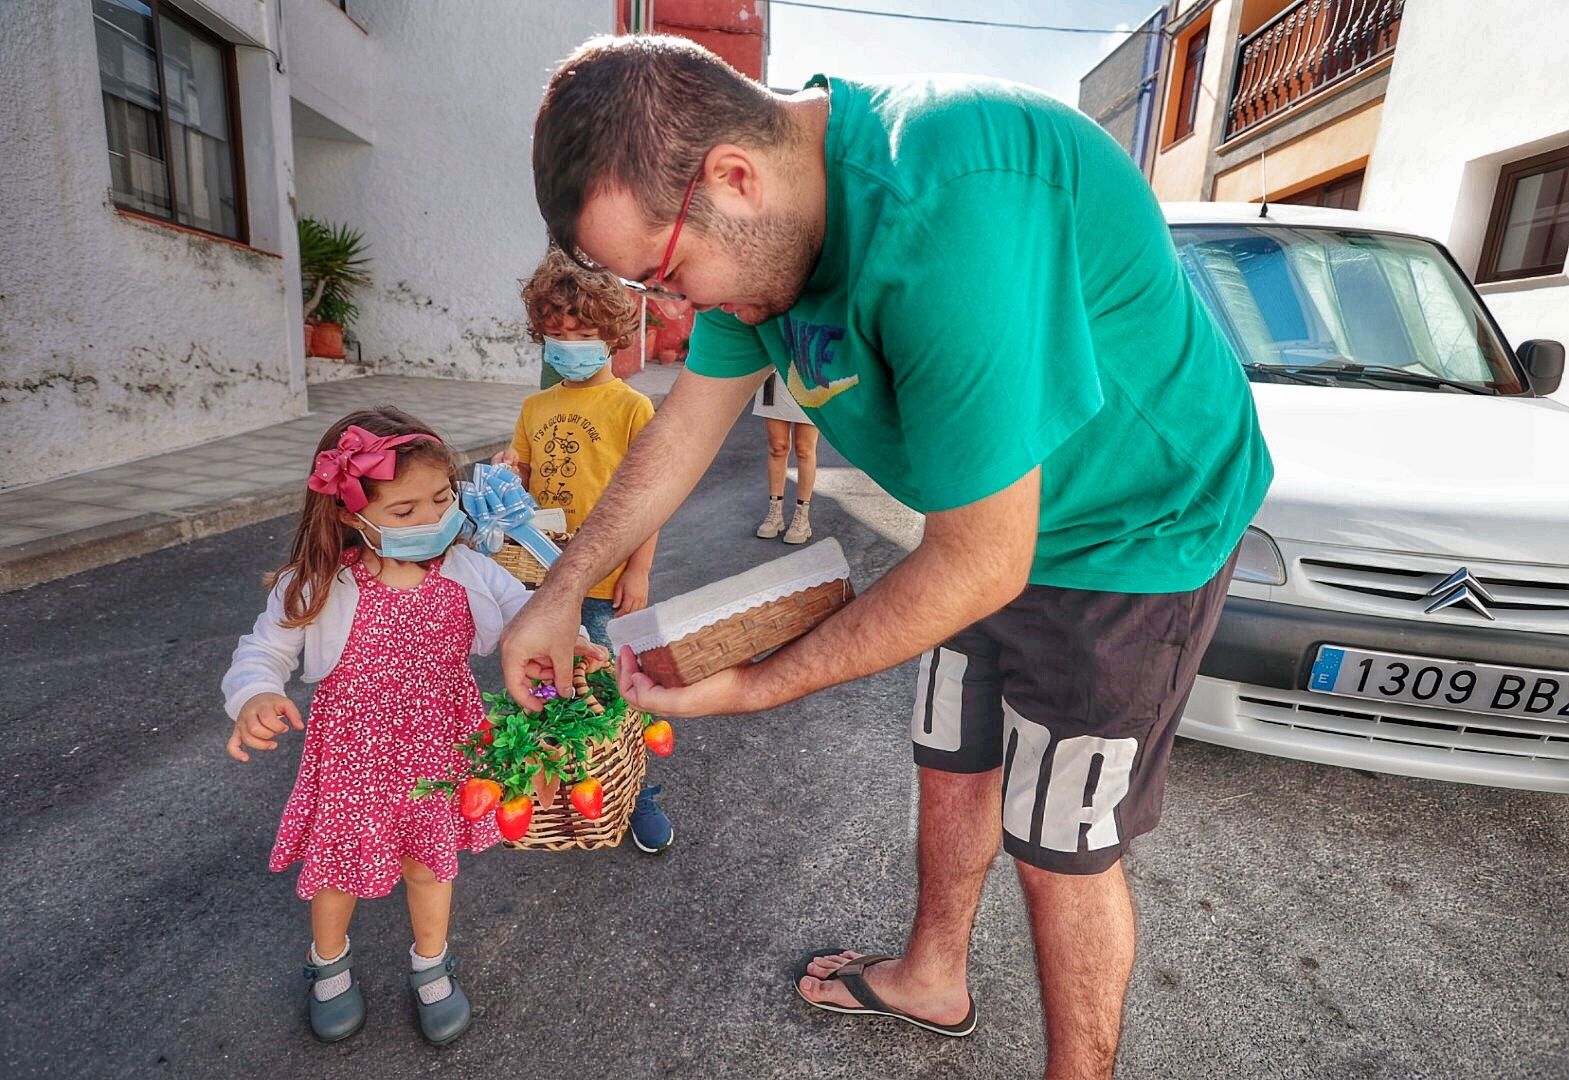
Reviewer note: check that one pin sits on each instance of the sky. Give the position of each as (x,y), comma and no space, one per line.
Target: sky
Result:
(803,42)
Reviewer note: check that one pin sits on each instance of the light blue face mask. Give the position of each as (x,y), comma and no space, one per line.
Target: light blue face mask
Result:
(576,360)
(417,543)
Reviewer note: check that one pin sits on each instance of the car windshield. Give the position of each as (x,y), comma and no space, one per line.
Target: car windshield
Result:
(1338,307)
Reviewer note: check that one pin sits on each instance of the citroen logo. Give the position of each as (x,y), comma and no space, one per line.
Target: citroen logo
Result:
(1460,589)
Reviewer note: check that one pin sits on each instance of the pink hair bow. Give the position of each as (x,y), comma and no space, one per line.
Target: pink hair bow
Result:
(358,453)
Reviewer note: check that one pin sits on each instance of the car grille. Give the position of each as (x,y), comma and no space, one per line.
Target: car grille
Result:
(1518,602)
(1411,725)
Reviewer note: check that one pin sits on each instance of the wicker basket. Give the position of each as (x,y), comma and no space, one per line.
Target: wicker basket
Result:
(687,638)
(518,561)
(744,637)
(619,766)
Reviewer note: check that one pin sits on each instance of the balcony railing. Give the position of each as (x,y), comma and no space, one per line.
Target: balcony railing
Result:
(1311,45)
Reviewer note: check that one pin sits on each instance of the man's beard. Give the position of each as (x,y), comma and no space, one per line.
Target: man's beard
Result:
(774,254)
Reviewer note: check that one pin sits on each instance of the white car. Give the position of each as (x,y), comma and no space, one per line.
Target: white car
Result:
(1401,603)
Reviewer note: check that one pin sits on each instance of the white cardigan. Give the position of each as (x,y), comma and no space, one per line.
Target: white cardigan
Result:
(267,655)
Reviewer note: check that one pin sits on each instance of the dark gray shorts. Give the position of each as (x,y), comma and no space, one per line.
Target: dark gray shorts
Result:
(1076,696)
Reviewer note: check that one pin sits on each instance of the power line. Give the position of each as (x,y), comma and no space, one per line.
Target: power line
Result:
(961,22)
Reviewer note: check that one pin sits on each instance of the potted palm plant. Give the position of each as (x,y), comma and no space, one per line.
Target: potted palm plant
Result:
(333,265)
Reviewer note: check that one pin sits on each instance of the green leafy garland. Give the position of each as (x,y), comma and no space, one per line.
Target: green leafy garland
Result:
(517,747)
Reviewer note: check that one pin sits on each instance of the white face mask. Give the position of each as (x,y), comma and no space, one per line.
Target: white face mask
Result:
(417,543)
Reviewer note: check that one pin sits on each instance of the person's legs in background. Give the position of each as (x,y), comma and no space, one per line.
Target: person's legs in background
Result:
(778,461)
(805,438)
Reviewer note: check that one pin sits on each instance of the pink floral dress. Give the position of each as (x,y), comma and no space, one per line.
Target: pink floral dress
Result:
(386,716)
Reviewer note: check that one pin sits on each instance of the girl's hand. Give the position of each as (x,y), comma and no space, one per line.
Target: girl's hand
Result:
(260,720)
(631,591)
(508,456)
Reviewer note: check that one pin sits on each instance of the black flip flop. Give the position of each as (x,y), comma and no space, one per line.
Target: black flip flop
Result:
(851,975)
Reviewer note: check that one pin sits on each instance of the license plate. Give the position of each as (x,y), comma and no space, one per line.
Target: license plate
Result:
(1441,684)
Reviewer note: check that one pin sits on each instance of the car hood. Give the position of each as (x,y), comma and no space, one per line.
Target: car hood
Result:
(1414,471)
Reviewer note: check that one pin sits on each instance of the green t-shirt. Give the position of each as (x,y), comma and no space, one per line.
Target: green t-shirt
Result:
(998,290)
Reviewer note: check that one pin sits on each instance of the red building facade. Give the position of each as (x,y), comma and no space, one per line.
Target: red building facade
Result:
(736,30)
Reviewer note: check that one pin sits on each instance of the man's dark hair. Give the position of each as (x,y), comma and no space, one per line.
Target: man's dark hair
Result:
(640,112)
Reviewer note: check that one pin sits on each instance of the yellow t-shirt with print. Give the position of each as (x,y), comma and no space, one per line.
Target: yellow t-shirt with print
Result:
(573,438)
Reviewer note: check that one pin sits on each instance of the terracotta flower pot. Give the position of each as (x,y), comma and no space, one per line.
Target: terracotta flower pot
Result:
(327,341)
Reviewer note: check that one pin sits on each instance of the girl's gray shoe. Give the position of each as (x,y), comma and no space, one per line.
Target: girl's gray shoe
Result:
(341,1015)
(444,1020)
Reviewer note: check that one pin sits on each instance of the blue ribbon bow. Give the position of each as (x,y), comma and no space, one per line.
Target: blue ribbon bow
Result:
(498,506)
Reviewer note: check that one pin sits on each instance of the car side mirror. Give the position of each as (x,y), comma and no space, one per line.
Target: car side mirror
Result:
(1544,364)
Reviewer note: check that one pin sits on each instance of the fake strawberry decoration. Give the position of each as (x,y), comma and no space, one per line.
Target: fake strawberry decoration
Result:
(478,797)
(659,737)
(514,815)
(588,798)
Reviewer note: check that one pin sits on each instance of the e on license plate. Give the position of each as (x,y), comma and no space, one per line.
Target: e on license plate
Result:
(1441,684)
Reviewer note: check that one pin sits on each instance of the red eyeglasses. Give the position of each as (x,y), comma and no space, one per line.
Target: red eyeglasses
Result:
(655,289)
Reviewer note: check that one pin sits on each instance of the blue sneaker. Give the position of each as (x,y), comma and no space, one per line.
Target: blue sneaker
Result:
(651,829)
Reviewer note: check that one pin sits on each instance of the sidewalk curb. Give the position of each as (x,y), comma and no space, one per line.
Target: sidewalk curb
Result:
(42,561)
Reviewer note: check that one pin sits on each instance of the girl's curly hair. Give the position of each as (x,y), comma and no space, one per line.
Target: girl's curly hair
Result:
(561,287)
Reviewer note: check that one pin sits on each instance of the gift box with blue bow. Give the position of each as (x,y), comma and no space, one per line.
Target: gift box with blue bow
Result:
(500,509)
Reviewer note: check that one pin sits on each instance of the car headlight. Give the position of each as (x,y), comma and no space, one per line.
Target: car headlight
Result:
(1258,559)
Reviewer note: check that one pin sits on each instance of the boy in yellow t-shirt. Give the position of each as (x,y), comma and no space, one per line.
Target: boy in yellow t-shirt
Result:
(571,438)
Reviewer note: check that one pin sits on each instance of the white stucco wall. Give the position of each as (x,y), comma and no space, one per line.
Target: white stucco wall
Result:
(1469,92)
(444,193)
(331,70)
(120,338)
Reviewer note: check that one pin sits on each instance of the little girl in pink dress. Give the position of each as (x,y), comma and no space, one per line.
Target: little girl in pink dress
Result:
(385,608)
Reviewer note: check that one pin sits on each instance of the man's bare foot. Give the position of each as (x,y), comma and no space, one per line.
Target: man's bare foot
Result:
(940,1003)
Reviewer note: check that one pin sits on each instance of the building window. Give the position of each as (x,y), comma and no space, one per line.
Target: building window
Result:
(1341,193)
(168,93)
(1188,88)
(1528,232)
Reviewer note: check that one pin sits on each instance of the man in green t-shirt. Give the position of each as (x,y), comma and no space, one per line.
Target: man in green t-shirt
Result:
(971,289)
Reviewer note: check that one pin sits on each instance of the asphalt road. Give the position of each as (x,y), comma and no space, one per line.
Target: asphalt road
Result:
(1296,920)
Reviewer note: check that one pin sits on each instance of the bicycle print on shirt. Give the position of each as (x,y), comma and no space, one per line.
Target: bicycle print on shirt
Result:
(561,438)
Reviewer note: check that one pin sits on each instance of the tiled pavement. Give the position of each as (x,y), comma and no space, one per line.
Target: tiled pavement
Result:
(98,517)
